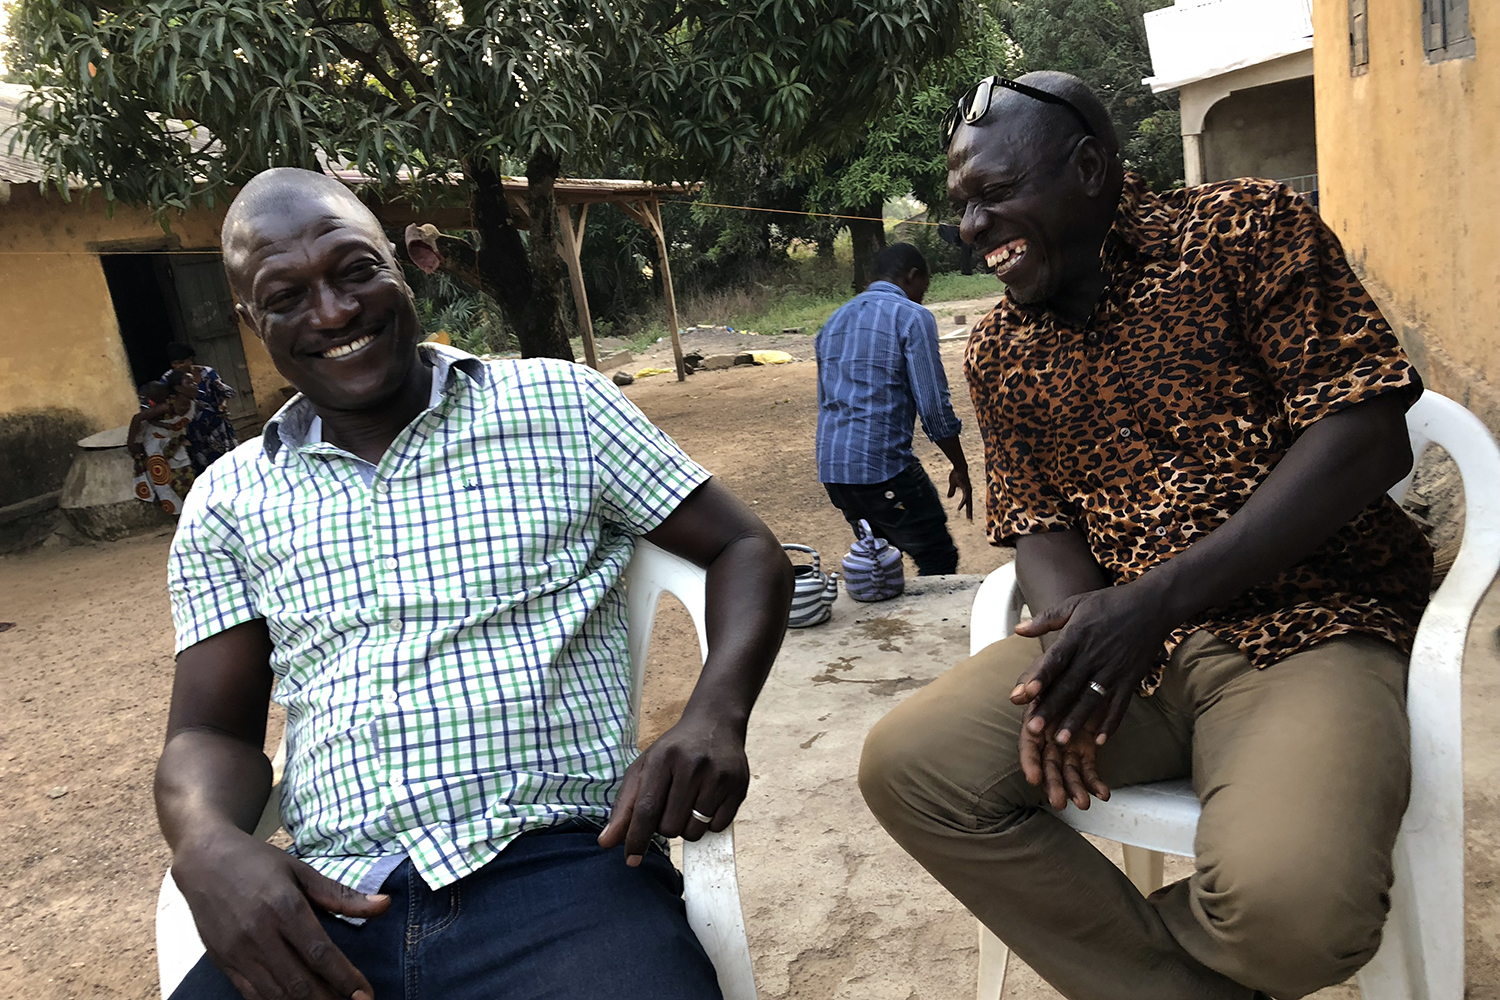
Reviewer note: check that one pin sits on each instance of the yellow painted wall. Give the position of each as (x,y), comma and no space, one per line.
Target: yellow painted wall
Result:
(1409,172)
(60,347)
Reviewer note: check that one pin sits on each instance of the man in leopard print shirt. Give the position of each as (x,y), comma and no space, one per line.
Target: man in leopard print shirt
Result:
(1191,413)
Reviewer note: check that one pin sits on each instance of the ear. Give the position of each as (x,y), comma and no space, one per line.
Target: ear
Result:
(247,318)
(1092,163)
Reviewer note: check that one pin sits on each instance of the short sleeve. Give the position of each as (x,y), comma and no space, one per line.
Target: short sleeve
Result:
(1020,499)
(205,569)
(1322,337)
(644,475)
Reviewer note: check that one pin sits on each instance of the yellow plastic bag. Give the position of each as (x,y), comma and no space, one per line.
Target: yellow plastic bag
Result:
(648,372)
(770,357)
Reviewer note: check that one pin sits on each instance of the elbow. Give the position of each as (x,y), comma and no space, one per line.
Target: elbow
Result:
(1399,461)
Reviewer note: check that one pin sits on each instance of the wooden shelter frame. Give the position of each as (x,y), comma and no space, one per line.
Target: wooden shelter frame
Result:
(641,200)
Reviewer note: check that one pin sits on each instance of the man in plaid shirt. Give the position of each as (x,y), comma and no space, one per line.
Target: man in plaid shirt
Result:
(422,556)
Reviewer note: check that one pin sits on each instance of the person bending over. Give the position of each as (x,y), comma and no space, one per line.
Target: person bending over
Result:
(878,370)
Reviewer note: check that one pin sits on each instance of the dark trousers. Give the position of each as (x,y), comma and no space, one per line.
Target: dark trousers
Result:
(553,916)
(906,511)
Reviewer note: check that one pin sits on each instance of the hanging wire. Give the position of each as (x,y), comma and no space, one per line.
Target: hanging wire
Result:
(670,201)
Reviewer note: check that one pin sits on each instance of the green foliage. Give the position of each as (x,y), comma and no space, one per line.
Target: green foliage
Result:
(472,319)
(1104,43)
(902,152)
(955,287)
(801,292)
(413,91)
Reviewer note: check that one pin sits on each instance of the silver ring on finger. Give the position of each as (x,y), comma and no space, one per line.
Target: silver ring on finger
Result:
(1098,689)
(702,818)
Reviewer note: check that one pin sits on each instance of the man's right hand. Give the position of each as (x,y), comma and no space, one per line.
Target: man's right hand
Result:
(253,905)
(958,483)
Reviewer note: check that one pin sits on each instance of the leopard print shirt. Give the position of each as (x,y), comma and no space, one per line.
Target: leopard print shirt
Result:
(1231,323)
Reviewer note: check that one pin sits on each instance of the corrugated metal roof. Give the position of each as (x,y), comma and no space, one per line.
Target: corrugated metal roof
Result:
(1196,40)
(15,168)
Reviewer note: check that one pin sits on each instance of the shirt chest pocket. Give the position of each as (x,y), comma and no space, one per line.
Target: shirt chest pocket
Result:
(510,536)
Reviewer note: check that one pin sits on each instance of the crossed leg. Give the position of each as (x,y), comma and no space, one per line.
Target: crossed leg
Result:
(1303,773)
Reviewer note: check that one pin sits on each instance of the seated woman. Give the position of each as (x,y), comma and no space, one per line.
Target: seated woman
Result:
(158,439)
(210,435)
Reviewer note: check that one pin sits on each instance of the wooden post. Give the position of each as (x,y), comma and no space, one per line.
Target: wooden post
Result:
(572,245)
(648,213)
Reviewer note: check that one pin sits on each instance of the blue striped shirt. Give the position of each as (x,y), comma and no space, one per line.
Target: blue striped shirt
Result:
(878,370)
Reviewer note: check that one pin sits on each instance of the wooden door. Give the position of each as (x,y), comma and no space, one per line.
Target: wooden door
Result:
(205,313)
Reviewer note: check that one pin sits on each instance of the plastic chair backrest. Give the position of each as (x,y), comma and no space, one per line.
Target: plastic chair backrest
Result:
(710,882)
(652,572)
(1432,833)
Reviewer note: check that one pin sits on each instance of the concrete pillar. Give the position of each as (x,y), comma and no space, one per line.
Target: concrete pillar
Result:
(1192,158)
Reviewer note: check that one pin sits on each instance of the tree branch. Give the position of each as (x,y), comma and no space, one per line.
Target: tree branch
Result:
(368,61)
(410,71)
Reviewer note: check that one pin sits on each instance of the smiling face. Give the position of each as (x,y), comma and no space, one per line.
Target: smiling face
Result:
(319,283)
(1035,204)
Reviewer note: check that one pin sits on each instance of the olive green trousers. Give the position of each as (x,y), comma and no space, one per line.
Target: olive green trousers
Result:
(1303,771)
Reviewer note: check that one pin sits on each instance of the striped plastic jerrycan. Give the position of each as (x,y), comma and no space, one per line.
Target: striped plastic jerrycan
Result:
(813,592)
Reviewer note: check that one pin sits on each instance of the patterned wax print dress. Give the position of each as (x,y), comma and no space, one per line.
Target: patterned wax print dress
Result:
(165,474)
(210,435)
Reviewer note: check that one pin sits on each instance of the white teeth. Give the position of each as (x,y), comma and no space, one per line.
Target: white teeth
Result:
(1002,258)
(349,348)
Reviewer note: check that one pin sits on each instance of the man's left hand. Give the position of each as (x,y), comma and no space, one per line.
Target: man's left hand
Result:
(958,482)
(699,764)
(1109,638)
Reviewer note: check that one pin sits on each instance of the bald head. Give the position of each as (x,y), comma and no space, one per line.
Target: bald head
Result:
(316,278)
(281,197)
(1042,125)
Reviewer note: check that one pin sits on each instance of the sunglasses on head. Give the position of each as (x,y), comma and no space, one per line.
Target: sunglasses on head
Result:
(975,104)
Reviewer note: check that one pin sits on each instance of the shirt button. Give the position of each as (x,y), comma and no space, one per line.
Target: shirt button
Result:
(382,487)
(890,495)
(1124,432)
(1092,338)
(396,784)
(389,697)
(1161,531)
(394,624)
(392,563)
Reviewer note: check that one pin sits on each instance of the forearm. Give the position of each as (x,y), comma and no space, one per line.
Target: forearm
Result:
(950,447)
(1339,466)
(208,782)
(749,593)
(1052,567)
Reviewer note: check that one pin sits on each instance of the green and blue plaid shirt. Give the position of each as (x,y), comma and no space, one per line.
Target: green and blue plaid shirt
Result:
(448,627)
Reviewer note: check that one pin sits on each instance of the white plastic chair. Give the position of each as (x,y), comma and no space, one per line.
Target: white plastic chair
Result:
(1422,954)
(711,890)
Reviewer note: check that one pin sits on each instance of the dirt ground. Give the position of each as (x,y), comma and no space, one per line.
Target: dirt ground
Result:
(85,675)
(86,671)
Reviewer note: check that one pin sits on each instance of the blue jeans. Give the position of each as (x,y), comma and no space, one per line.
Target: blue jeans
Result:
(553,916)
(906,511)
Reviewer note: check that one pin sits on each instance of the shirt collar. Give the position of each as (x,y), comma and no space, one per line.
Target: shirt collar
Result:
(1143,221)
(1142,227)
(292,422)
(881,285)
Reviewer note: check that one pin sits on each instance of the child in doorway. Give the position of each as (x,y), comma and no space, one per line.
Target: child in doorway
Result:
(210,435)
(158,439)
